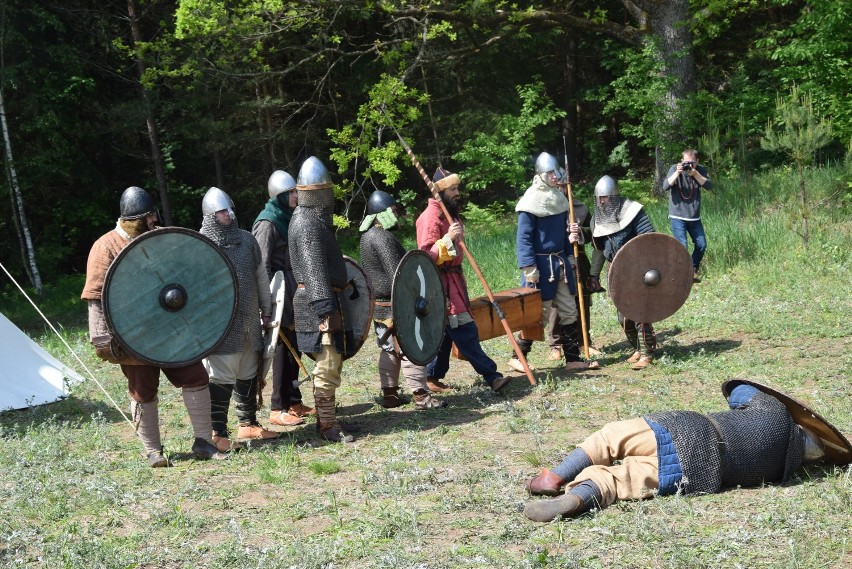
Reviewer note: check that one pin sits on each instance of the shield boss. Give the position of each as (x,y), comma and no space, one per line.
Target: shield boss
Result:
(419,311)
(650,277)
(170,296)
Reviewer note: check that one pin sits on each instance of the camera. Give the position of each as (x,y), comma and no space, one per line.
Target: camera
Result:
(687,165)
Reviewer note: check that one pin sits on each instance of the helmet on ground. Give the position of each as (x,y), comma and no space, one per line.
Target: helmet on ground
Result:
(136,203)
(280,182)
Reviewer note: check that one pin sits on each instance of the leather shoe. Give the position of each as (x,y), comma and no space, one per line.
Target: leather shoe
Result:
(643,362)
(500,383)
(437,386)
(555,354)
(301,410)
(285,419)
(567,505)
(516,365)
(224,444)
(206,450)
(256,432)
(335,434)
(545,484)
(582,365)
(634,358)
(423,400)
(156,459)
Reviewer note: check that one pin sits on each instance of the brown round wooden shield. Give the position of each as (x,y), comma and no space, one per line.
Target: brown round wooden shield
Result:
(837,447)
(419,310)
(170,296)
(650,277)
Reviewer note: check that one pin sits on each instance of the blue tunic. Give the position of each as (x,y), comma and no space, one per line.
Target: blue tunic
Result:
(543,242)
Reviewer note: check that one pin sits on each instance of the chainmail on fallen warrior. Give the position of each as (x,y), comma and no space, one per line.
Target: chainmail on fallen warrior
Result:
(747,446)
(381,253)
(318,264)
(244,253)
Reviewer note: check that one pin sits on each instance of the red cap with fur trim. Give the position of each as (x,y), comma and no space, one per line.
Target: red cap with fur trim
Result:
(444,179)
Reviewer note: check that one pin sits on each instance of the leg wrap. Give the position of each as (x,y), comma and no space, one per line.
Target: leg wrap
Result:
(647,338)
(389,364)
(220,401)
(570,342)
(197,401)
(245,401)
(629,327)
(589,493)
(324,401)
(572,465)
(146,419)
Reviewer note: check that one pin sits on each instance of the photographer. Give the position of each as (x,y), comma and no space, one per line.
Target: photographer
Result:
(684,183)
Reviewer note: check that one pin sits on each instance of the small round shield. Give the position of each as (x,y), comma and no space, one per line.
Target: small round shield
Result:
(837,447)
(419,311)
(170,296)
(650,277)
(359,301)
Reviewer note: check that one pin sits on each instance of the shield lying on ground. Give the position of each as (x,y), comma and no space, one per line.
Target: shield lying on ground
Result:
(277,287)
(359,300)
(650,277)
(170,296)
(837,447)
(419,311)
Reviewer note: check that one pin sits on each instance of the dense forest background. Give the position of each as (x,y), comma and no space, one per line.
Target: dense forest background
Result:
(180,96)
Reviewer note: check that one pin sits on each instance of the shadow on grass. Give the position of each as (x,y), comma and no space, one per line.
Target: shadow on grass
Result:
(69,412)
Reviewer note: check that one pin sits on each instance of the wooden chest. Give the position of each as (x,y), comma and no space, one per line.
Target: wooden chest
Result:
(521,307)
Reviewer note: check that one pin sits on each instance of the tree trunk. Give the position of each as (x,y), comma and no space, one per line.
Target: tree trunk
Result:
(153,134)
(20,217)
(670,22)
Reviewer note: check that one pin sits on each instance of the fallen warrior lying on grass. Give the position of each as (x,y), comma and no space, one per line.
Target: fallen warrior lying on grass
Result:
(764,438)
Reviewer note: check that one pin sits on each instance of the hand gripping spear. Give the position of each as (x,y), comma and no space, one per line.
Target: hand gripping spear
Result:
(463,247)
(571,219)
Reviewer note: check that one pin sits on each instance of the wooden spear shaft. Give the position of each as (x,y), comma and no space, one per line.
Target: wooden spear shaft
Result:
(581,299)
(463,247)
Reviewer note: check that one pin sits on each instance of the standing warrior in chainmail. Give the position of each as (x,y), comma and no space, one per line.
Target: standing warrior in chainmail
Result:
(437,235)
(616,221)
(270,229)
(381,253)
(234,366)
(138,215)
(546,259)
(754,443)
(320,305)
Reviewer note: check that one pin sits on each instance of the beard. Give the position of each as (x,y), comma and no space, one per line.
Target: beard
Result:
(452,205)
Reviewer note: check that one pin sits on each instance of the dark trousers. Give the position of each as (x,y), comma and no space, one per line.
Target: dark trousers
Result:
(285,370)
(695,230)
(143,382)
(466,338)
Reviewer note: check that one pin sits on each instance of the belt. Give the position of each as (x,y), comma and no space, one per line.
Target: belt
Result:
(452,269)
(383,303)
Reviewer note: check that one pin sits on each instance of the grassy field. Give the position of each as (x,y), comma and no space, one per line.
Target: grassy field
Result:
(444,488)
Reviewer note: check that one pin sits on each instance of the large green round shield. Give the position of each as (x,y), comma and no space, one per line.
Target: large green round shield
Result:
(170,296)
(419,310)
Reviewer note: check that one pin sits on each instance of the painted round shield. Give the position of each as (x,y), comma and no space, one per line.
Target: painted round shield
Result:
(359,300)
(419,311)
(277,288)
(650,277)
(837,447)
(170,296)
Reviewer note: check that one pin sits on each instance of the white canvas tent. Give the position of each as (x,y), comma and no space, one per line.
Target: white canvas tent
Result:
(29,375)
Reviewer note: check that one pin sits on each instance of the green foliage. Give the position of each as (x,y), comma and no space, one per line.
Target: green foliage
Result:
(499,154)
(797,129)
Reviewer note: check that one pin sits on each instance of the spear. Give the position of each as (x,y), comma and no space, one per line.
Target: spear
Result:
(463,247)
(571,219)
